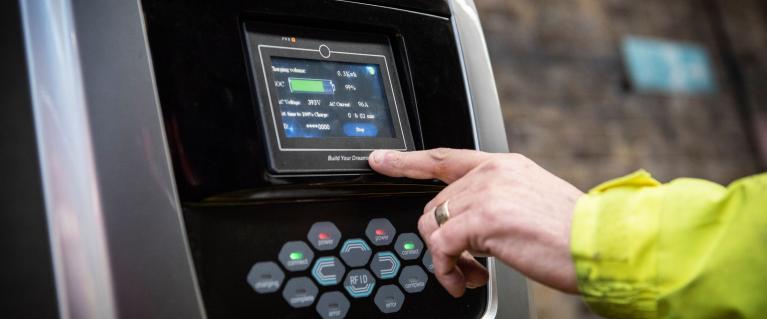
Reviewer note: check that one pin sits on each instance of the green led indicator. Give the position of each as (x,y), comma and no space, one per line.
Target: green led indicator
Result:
(296,255)
(409,245)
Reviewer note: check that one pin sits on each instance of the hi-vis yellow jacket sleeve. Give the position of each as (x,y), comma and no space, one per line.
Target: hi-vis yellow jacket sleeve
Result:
(686,249)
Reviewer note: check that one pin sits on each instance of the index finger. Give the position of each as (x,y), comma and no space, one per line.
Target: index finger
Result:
(444,164)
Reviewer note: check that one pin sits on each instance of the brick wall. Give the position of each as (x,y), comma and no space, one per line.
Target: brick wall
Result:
(567,103)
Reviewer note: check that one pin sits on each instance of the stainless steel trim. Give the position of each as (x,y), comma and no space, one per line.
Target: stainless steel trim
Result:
(490,136)
(392,8)
(491,309)
(465,74)
(480,79)
(148,250)
(68,169)
(169,164)
(113,213)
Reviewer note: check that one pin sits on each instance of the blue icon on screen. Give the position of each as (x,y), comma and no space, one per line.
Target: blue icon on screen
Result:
(360,129)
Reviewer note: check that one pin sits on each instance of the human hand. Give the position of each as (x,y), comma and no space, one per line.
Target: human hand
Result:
(503,205)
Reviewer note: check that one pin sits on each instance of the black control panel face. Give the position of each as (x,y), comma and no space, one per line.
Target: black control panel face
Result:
(353,269)
(326,100)
(357,260)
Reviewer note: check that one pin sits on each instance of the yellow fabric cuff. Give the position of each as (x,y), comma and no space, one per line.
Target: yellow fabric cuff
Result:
(612,244)
(686,249)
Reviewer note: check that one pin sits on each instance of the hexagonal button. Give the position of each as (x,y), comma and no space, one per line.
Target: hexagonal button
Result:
(333,305)
(265,277)
(359,283)
(413,279)
(380,232)
(299,292)
(409,246)
(389,299)
(328,271)
(296,255)
(428,262)
(355,252)
(385,265)
(324,236)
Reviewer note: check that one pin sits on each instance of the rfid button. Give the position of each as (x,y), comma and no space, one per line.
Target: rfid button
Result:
(359,283)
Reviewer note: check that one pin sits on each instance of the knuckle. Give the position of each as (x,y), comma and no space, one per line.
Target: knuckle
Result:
(520,160)
(423,226)
(429,206)
(440,154)
(396,159)
(484,188)
(494,164)
(494,195)
(488,211)
(505,163)
(517,157)
(482,221)
(440,158)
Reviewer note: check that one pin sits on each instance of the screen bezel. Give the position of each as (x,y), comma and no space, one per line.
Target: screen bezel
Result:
(398,142)
(336,154)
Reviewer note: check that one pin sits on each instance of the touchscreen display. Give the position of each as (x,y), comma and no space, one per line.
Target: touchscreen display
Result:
(327,99)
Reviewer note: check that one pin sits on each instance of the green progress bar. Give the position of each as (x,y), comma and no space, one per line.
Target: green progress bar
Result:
(298,85)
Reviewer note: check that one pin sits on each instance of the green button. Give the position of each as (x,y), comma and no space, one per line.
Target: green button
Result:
(409,245)
(296,255)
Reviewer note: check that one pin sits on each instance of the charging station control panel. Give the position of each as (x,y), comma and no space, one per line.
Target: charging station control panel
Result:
(271,110)
(231,142)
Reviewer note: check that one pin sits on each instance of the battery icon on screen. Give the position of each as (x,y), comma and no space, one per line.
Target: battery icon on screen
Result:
(316,86)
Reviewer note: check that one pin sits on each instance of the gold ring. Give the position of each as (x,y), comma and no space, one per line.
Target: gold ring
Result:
(441,213)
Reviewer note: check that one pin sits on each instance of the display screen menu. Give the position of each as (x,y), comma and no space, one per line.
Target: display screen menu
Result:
(326,99)
(329,99)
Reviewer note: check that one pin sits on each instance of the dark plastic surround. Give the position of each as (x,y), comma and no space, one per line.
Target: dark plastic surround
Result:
(323,155)
(201,69)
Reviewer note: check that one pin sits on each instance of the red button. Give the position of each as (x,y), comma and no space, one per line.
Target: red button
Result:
(380,232)
(323,236)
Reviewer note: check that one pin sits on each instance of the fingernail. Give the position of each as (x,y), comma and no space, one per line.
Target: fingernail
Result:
(378,157)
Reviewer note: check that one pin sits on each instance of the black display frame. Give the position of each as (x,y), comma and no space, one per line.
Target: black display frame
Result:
(332,154)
